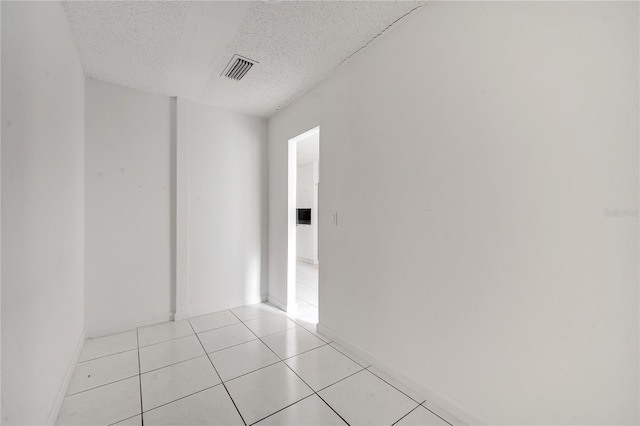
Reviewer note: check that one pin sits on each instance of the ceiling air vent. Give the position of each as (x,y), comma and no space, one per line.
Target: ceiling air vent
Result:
(238,67)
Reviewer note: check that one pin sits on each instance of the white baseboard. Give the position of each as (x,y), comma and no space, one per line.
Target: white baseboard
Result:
(277,303)
(451,411)
(290,308)
(195,311)
(121,328)
(62,391)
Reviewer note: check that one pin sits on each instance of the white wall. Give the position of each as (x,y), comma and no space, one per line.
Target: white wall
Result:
(130,143)
(42,209)
(307,198)
(227,209)
(471,153)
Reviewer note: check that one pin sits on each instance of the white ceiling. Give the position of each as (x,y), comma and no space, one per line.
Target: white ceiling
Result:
(181,48)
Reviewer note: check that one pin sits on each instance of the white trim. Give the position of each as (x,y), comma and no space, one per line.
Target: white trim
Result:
(292,171)
(108,331)
(182,210)
(277,303)
(62,392)
(196,311)
(305,135)
(446,408)
(292,179)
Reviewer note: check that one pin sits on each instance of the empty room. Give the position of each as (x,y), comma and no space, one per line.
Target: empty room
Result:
(319,213)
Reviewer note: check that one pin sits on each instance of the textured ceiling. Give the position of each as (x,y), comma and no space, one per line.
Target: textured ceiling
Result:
(181,48)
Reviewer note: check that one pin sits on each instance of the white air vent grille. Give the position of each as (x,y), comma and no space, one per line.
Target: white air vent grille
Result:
(238,67)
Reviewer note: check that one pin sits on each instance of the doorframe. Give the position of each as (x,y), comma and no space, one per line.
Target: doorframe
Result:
(292,180)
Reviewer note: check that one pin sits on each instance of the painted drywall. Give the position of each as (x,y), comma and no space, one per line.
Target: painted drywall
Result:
(227,209)
(42,209)
(307,198)
(474,252)
(129,163)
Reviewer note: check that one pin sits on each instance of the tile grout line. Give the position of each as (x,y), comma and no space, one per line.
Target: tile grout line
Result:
(304,352)
(140,379)
(344,378)
(280,360)
(140,373)
(362,369)
(252,371)
(173,363)
(181,362)
(165,341)
(283,360)
(182,397)
(333,409)
(104,356)
(216,370)
(414,409)
(268,365)
(270,334)
(232,346)
(111,424)
(303,381)
(103,385)
(325,344)
(315,334)
(434,413)
(282,409)
(151,344)
(393,386)
(182,337)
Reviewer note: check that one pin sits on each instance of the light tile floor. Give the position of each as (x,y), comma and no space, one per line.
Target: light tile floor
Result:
(307,292)
(251,365)
(306,283)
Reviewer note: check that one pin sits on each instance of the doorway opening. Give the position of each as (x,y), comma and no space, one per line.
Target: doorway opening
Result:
(303,256)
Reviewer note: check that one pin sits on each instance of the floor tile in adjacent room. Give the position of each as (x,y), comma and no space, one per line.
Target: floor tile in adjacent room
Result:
(311,411)
(421,417)
(171,352)
(242,359)
(365,399)
(322,367)
(108,345)
(292,342)
(101,371)
(209,407)
(163,332)
(177,381)
(269,324)
(307,294)
(266,391)
(225,337)
(103,405)
(212,321)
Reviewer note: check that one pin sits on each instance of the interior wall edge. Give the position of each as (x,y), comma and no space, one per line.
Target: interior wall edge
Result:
(277,302)
(453,412)
(57,404)
(129,326)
